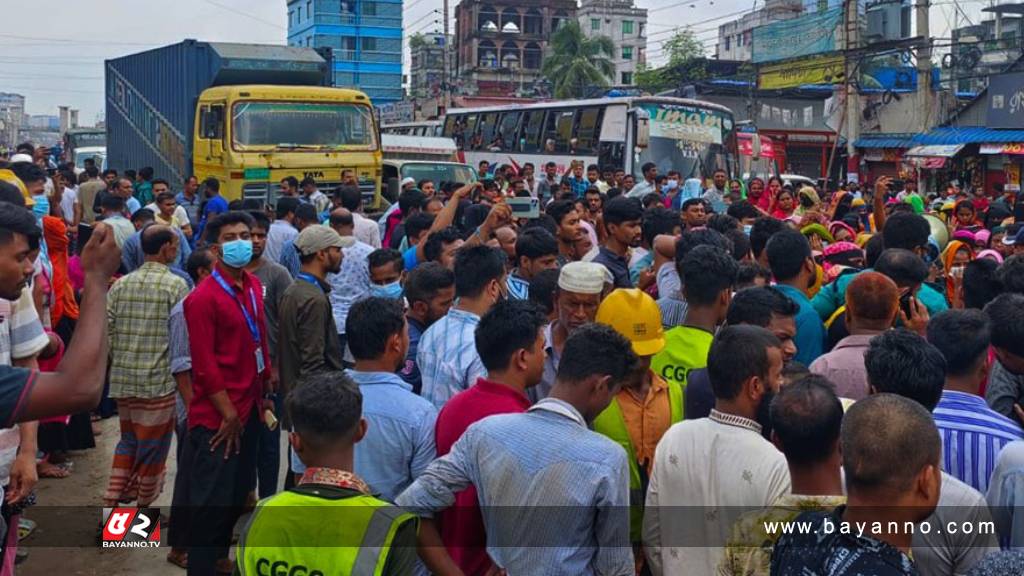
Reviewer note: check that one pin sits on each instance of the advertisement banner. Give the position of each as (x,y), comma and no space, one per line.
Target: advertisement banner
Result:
(1013,149)
(686,123)
(1006,101)
(797,37)
(826,70)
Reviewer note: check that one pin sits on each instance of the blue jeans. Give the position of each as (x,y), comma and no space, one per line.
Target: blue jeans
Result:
(268,455)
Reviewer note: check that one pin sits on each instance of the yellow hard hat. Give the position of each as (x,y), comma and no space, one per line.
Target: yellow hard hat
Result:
(9,177)
(635,315)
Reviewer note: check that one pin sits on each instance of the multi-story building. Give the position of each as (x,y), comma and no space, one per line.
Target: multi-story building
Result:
(626,25)
(12,118)
(985,48)
(734,37)
(500,44)
(365,37)
(426,73)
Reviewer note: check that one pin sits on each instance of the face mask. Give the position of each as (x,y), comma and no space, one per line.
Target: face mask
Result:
(392,291)
(236,253)
(42,207)
(747,228)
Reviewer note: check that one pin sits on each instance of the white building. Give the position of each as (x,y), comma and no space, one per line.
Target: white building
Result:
(626,25)
(734,37)
(12,118)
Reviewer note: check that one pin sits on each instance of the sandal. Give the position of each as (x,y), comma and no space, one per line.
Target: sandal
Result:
(47,470)
(25,528)
(178,558)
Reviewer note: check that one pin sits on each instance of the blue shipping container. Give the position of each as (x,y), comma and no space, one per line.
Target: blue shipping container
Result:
(151,96)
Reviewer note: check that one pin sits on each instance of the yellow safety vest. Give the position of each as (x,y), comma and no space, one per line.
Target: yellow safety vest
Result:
(612,424)
(295,533)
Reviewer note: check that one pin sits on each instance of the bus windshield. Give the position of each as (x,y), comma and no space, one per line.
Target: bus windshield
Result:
(302,126)
(86,139)
(689,139)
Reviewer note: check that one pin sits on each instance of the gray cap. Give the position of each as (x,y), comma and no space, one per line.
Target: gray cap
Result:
(317,237)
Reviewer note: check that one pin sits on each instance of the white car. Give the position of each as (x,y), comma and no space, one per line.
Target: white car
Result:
(97,153)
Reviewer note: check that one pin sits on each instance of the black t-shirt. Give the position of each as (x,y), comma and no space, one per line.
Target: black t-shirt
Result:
(825,551)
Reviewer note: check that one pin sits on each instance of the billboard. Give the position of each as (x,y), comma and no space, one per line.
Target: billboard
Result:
(821,70)
(811,34)
(1006,101)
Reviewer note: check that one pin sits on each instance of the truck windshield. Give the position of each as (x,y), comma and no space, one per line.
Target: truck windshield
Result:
(438,172)
(302,126)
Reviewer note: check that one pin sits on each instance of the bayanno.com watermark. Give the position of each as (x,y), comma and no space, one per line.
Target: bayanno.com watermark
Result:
(131,528)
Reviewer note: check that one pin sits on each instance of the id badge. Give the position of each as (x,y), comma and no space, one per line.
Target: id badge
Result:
(259,360)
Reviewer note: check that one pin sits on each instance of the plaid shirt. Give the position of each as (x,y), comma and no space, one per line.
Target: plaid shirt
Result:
(138,308)
(447,357)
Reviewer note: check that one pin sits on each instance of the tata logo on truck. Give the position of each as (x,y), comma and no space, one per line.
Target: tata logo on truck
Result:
(314,174)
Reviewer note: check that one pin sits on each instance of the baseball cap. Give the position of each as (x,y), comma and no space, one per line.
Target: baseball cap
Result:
(582,278)
(317,237)
(20,158)
(1014,240)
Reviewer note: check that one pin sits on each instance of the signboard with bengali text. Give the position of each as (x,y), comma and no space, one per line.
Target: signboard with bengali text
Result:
(803,36)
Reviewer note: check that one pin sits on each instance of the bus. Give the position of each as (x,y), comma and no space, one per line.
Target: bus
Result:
(765,165)
(424,128)
(694,137)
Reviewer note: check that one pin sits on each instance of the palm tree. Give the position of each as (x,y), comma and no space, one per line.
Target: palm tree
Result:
(577,62)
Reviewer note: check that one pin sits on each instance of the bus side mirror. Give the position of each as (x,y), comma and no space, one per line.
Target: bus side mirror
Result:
(755,146)
(643,130)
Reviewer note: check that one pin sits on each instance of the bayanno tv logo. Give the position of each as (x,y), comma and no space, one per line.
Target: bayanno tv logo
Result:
(131,528)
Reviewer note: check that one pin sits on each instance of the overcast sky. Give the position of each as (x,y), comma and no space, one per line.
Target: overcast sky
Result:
(55,56)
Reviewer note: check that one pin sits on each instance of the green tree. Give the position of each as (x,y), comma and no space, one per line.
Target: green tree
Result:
(685,64)
(577,62)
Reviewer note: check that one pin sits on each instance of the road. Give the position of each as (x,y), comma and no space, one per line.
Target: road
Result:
(69,513)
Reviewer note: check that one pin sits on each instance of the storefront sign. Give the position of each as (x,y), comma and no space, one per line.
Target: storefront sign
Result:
(747,147)
(1012,172)
(822,70)
(882,155)
(1011,149)
(1006,101)
(796,37)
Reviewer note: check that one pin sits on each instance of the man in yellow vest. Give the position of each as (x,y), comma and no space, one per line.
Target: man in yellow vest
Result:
(647,405)
(328,523)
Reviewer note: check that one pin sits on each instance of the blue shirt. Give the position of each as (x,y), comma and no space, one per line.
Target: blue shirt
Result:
(411,371)
(399,442)
(972,437)
(290,259)
(518,288)
(214,206)
(554,494)
(832,296)
(132,205)
(191,206)
(810,332)
(447,356)
(578,187)
(409,258)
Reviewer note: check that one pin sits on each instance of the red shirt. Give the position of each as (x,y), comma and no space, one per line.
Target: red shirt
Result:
(223,350)
(462,526)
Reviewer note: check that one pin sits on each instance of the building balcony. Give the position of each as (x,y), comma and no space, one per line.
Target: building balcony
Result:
(381,21)
(387,57)
(335,19)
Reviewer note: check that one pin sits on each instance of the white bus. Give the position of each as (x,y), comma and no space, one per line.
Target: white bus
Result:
(690,136)
(424,128)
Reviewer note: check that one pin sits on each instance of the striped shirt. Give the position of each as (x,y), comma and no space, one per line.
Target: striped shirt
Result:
(554,494)
(518,289)
(447,357)
(138,313)
(972,437)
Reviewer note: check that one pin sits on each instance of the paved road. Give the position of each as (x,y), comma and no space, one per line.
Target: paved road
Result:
(69,512)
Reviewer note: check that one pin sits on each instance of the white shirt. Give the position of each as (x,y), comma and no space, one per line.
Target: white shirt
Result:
(280,232)
(179,218)
(67,204)
(706,473)
(942,552)
(366,230)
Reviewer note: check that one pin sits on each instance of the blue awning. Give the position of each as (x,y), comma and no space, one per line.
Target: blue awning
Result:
(886,141)
(968,135)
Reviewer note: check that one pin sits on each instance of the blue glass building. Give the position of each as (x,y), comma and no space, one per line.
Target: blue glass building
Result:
(366,39)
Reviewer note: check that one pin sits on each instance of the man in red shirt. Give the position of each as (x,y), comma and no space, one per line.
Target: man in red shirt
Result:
(230,373)
(510,341)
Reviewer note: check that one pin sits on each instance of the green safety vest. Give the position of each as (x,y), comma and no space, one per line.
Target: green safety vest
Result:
(292,532)
(612,424)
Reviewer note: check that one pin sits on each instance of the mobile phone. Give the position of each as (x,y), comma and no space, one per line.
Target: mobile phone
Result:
(905,304)
(524,207)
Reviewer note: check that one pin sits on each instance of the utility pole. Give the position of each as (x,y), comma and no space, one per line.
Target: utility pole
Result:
(447,84)
(924,66)
(851,41)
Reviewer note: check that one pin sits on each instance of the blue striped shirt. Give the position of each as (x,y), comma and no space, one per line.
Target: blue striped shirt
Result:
(554,494)
(972,436)
(447,357)
(518,288)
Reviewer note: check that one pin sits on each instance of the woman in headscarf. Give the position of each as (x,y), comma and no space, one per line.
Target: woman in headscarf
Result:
(842,232)
(965,215)
(809,207)
(840,257)
(916,202)
(954,259)
(757,196)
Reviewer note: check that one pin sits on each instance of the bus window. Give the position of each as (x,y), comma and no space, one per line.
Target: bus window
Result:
(588,129)
(470,132)
(487,130)
(558,131)
(509,130)
(533,126)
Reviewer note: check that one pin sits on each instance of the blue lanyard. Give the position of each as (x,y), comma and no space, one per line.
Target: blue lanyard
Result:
(309,278)
(249,320)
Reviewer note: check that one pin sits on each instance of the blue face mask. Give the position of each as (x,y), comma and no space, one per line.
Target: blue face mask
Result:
(236,253)
(42,206)
(747,228)
(391,291)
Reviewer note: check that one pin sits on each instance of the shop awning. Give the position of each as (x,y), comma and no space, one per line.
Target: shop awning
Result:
(969,135)
(934,151)
(886,141)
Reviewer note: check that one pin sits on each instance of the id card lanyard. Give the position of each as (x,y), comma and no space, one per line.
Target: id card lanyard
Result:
(254,329)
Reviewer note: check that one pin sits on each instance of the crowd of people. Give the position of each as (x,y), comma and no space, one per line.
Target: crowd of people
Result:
(650,377)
